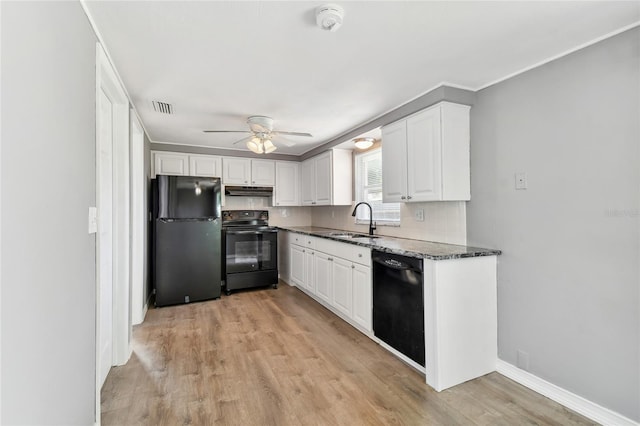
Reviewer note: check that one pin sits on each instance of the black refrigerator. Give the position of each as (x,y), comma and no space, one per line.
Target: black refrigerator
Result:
(186,252)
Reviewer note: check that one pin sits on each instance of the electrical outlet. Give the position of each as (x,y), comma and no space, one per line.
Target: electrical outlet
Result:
(521,181)
(419,215)
(522,360)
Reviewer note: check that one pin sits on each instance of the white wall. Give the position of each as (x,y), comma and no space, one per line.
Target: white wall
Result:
(568,279)
(48,183)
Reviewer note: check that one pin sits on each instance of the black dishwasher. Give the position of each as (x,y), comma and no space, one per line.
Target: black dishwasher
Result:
(398,304)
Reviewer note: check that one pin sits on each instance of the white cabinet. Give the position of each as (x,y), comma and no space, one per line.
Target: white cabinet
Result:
(205,165)
(425,157)
(326,179)
(170,163)
(182,164)
(287,187)
(263,172)
(236,171)
(342,280)
(297,263)
(336,274)
(323,267)
(301,263)
(245,171)
(362,296)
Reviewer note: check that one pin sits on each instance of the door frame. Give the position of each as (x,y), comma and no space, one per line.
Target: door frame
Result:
(138,222)
(107,80)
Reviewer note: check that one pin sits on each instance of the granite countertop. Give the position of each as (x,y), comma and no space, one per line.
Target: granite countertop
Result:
(402,246)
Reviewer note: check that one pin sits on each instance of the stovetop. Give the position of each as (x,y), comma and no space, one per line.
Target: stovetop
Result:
(246,219)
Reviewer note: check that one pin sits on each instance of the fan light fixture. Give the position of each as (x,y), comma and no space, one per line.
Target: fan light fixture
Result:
(261,145)
(363,143)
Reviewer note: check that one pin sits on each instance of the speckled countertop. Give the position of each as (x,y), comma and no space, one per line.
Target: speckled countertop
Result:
(403,246)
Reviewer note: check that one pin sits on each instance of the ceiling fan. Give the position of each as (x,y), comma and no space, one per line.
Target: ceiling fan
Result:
(261,139)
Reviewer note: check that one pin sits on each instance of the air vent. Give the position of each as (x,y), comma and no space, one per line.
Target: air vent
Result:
(162,107)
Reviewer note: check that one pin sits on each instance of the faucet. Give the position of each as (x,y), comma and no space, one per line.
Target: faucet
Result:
(371,224)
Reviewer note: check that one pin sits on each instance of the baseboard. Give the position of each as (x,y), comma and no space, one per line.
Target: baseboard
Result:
(570,400)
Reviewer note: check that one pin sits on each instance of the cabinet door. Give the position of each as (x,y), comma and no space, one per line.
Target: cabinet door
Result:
(309,268)
(308,182)
(362,296)
(322,276)
(424,165)
(287,189)
(323,179)
(169,163)
(236,171)
(342,286)
(394,161)
(263,172)
(205,165)
(296,274)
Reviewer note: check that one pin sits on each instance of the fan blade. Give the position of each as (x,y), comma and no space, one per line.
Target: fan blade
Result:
(277,132)
(226,131)
(243,140)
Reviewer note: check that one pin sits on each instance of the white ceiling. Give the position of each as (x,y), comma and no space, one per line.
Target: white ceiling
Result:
(218,62)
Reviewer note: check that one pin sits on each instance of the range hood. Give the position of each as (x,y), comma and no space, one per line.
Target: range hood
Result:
(249,191)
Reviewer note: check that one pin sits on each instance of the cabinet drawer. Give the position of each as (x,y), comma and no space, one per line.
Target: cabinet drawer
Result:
(351,252)
(303,240)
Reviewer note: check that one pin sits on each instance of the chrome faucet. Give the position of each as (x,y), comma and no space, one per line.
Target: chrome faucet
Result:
(372,226)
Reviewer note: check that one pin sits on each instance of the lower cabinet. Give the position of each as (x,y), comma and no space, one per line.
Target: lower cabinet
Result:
(297,263)
(338,275)
(342,280)
(323,276)
(362,296)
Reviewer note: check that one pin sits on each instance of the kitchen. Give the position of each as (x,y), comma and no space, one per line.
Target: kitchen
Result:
(567,296)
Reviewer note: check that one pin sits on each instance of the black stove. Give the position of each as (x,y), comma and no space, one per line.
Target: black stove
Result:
(250,250)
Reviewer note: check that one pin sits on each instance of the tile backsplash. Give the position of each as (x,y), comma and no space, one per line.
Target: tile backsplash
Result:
(444,222)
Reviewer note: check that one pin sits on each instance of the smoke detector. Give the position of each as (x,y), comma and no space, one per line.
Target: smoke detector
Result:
(329,17)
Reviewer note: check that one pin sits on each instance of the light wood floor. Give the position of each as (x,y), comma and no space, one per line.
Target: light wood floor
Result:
(276,357)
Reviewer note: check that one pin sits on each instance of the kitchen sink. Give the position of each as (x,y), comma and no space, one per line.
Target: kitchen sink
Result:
(350,235)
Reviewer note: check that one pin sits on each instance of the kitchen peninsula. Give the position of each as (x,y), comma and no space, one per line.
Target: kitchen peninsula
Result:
(460,312)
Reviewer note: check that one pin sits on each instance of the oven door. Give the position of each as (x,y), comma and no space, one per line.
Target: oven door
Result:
(251,250)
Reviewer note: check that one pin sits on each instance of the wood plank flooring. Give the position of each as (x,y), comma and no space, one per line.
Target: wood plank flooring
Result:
(276,357)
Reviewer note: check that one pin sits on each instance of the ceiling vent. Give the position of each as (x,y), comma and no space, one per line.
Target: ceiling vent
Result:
(162,107)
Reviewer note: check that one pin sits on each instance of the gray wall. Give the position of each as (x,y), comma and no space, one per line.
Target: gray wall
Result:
(48,183)
(568,281)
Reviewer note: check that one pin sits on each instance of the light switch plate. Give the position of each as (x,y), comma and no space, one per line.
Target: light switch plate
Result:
(521,181)
(93,220)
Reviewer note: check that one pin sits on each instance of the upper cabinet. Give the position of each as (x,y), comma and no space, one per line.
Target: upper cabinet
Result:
(245,171)
(287,188)
(181,164)
(425,157)
(170,163)
(205,165)
(327,179)
(263,172)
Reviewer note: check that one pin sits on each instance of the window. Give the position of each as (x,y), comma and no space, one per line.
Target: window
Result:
(369,189)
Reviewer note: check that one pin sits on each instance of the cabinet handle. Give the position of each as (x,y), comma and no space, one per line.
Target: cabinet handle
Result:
(359,254)
(409,197)
(330,259)
(403,198)
(313,252)
(253,181)
(303,250)
(353,266)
